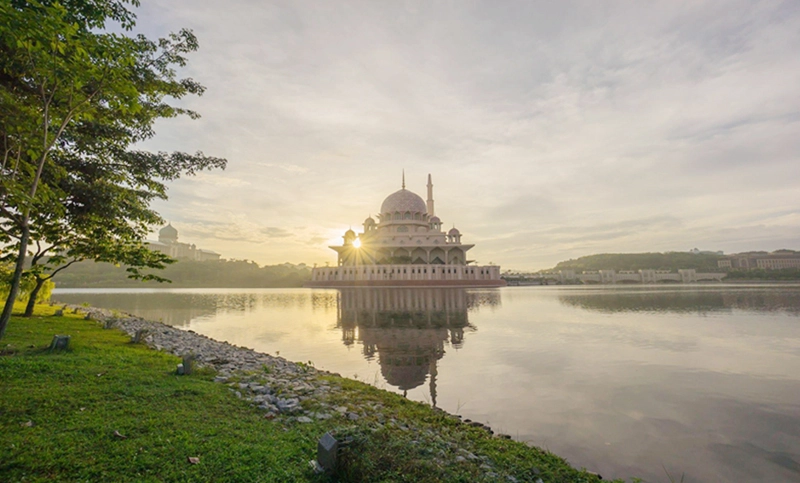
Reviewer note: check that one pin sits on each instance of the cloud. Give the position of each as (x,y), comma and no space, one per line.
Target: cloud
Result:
(534,120)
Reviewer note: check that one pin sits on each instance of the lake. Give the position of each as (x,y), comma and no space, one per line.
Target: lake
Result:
(700,380)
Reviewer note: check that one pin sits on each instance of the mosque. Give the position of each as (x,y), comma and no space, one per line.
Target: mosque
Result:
(168,244)
(406,246)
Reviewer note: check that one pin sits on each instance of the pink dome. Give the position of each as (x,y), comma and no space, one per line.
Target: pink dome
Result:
(402,201)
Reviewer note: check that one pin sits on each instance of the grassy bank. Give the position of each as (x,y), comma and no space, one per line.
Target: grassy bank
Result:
(110,410)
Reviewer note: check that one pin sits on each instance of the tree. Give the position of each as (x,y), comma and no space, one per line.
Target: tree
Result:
(74,98)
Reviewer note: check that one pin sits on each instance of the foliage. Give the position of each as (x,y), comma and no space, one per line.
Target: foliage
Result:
(641,261)
(192,274)
(74,99)
(26,287)
(761,274)
(58,431)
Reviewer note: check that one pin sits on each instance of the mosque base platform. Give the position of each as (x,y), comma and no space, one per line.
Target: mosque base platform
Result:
(405,283)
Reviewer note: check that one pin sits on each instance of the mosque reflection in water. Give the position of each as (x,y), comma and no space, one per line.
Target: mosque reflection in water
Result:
(408,330)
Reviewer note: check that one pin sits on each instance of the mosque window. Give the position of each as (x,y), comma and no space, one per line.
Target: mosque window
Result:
(402,228)
(407,216)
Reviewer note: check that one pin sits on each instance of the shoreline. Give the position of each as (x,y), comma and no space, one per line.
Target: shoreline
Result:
(292,393)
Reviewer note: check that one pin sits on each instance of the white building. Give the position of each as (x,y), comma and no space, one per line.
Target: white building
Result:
(168,244)
(406,246)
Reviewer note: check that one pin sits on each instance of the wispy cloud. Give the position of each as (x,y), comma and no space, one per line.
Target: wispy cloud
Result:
(652,126)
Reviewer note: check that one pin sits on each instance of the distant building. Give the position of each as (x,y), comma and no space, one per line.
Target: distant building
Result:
(761,260)
(168,244)
(686,275)
(697,251)
(406,246)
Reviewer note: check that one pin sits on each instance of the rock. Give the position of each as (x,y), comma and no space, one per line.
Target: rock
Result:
(316,466)
(288,405)
(304,419)
(352,416)
(180,370)
(60,342)
(193,460)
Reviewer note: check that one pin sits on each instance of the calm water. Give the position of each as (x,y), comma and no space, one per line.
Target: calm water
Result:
(625,381)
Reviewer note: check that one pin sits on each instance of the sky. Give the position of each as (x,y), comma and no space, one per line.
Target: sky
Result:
(552,130)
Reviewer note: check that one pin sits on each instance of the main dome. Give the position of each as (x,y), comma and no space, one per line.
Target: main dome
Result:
(402,201)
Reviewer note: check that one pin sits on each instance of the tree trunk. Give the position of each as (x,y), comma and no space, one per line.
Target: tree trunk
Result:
(32,298)
(15,279)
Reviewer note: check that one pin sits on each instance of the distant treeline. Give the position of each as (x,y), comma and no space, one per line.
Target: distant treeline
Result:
(702,262)
(188,274)
(761,274)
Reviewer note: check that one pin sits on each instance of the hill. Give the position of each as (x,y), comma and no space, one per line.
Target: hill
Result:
(189,274)
(702,262)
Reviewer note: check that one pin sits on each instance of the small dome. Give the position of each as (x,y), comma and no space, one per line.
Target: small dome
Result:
(349,233)
(168,232)
(369,221)
(435,219)
(402,201)
(454,231)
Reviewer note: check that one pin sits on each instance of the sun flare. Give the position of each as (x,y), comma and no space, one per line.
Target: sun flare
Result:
(357,243)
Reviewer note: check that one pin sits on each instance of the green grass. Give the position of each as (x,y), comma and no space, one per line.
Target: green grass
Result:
(76,400)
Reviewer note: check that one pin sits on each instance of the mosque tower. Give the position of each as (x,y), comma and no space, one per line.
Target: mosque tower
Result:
(430,197)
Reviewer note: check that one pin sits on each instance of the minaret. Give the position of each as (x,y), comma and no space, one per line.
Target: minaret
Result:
(430,196)
(404,179)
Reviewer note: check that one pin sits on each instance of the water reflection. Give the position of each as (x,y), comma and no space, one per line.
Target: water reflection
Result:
(686,300)
(626,381)
(180,308)
(407,330)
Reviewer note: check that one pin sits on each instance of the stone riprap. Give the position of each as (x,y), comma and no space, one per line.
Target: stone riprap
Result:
(272,383)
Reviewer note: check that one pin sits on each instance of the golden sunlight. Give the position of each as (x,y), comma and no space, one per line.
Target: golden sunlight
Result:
(357,243)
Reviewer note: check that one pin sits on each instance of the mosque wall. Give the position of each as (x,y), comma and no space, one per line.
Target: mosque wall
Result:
(387,275)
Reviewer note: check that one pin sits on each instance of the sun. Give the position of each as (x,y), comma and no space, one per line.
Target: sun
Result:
(357,243)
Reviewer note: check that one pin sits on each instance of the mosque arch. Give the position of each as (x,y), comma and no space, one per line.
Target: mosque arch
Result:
(455,256)
(437,256)
(419,256)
